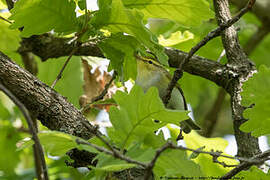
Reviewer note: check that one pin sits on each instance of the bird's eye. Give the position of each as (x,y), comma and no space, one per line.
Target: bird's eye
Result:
(150,62)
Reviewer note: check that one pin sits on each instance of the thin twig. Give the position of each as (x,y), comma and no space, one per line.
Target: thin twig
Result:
(5,20)
(97,133)
(102,94)
(214,33)
(59,76)
(77,45)
(151,165)
(256,160)
(32,129)
(216,153)
(114,153)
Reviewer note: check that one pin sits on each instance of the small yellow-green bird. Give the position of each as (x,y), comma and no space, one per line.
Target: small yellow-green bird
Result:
(151,73)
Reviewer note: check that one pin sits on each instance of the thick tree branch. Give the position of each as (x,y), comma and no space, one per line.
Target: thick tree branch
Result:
(52,109)
(247,145)
(47,46)
(224,25)
(211,117)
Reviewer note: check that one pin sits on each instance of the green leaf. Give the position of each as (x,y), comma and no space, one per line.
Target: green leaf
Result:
(3,4)
(72,77)
(134,119)
(114,17)
(9,158)
(12,36)
(253,173)
(211,50)
(143,155)
(152,140)
(120,49)
(261,52)
(256,90)
(57,15)
(185,12)
(195,141)
(24,143)
(173,163)
(6,107)
(57,143)
(175,38)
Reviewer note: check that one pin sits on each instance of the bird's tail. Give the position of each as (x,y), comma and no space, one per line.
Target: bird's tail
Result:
(189,125)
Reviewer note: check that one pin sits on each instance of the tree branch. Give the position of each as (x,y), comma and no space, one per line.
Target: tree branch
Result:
(59,76)
(52,109)
(151,164)
(211,117)
(47,46)
(113,153)
(260,9)
(224,25)
(247,145)
(256,160)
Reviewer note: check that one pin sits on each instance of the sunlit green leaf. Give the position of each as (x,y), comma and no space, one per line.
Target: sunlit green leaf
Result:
(3,4)
(40,16)
(175,38)
(195,141)
(185,12)
(12,36)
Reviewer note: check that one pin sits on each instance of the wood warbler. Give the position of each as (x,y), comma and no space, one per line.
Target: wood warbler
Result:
(151,73)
